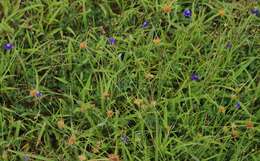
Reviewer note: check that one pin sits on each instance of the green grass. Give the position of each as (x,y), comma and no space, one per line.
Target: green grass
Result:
(162,112)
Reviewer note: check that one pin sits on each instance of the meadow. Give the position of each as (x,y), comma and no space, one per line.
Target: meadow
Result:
(130,80)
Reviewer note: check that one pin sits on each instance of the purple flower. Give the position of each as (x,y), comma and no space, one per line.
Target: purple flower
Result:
(187,13)
(145,24)
(8,46)
(131,123)
(255,11)
(229,45)
(194,77)
(38,94)
(26,158)
(125,139)
(112,41)
(238,105)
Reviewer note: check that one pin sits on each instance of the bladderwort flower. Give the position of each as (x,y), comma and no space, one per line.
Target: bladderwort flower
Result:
(238,105)
(229,45)
(255,11)
(131,123)
(38,94)
(112,41)
(125,139)
(8,46)
(187,13)
(26,158)
(194,77)
(145,24)
(35,93)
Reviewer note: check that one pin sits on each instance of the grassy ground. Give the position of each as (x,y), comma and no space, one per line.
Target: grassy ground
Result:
(129,80)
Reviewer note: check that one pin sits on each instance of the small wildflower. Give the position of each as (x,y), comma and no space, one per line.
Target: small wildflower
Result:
(153,103)
(229,45)
(110,113)
(95,149)
(26,158)
(138,102)
(112,41)
(61,124)
(255,11)
(249,124)
(149,76)
(221,12)
(38,94)
(72,140)
(235,134)
(113,157)
(157,41)
(82,158)
(145,24)
(194,77)
(167,9)
(125,139)
(82,45)
(187,13)
(106,94)
(35,93)
(131,123)
(225,129)
(8,46)
(238,105)
(221,109)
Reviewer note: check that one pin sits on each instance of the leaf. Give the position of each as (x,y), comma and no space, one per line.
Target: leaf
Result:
(6,28)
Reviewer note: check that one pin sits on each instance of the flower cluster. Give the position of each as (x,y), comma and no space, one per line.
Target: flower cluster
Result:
(35,93)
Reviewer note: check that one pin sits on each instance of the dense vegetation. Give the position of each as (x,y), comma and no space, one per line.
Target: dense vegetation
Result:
(134,80)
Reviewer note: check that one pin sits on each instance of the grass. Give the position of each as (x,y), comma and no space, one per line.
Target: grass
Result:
(135,99)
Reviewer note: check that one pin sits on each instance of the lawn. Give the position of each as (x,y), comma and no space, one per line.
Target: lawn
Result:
(130,80)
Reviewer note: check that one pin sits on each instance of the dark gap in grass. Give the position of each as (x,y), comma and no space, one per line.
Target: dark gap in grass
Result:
(115,8)
(131,123)
(89,148)
(53,141)
(107,130)
(6,100)
(1,12)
